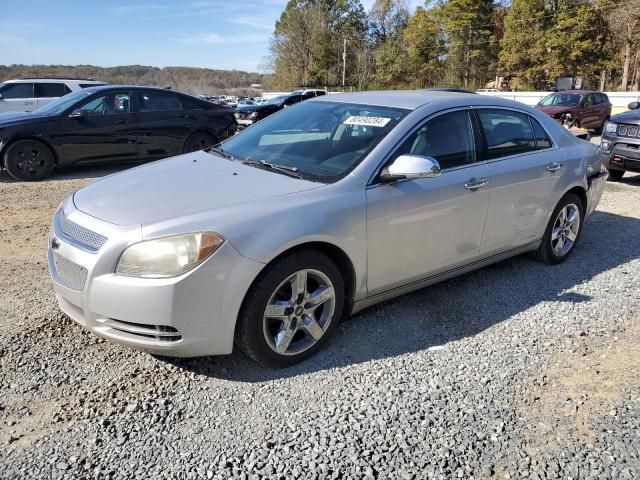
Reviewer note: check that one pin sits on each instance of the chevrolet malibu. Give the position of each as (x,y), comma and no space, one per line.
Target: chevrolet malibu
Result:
(268,239)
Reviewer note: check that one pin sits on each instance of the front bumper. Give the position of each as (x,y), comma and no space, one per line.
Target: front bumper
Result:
(627,150)
(190,315)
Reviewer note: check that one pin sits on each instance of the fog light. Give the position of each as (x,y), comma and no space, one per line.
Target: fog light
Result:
(605,146)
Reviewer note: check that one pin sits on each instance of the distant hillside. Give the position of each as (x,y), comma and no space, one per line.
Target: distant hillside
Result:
(185,79)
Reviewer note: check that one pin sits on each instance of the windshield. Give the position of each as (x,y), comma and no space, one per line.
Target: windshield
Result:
(561,100)
(61,104)
(323,141)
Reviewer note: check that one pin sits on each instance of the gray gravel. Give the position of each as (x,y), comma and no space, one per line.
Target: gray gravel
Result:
(519,370)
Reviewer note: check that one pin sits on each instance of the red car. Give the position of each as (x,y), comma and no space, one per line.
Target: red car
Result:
(588,109)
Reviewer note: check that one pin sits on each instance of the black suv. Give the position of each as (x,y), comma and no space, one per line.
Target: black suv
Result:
(620,145)
(109,124)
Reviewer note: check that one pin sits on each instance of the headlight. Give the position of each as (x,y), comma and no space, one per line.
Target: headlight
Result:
(168,256)
(237,115)
(611,127)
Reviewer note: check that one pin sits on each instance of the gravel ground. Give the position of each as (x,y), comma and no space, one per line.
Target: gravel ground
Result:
(518,370)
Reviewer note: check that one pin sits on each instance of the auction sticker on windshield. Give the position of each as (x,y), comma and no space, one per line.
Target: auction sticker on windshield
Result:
(367,121)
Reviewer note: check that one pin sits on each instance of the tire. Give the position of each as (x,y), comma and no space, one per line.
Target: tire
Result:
(277,328)
(561,237)
(199,141)
(29,160)
(616,175)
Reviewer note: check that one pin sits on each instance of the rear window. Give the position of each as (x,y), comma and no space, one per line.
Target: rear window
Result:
(542,139)
(50,90)
(507,133)
(159,101)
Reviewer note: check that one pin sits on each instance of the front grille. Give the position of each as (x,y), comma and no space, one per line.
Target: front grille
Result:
(69,273)
(77,234)
(629,131)
(160,333)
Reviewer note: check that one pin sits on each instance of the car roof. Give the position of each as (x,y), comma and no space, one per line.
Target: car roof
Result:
(105,88)
(410,99)
(55,79)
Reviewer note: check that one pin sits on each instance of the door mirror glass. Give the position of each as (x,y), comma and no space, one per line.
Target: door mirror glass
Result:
(411,167)
(78,113)
(632,105)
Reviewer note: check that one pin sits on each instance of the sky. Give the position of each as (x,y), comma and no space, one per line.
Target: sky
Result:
(223,34)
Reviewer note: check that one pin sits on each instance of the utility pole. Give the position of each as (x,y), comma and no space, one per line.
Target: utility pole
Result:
(344,61)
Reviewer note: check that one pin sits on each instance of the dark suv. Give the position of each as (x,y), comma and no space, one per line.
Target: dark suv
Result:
(587,109)
(620,145)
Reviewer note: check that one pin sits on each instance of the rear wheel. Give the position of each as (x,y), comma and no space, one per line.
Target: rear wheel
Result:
(563,230)
(199,141)
(28,160)
(292,310)
(616,175)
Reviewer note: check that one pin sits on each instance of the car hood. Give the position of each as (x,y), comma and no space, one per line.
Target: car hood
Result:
(554,110)
(632,117)
(14,118)
(181,186)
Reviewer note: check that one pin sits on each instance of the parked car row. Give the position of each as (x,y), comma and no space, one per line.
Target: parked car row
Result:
(247,115)
(109,124)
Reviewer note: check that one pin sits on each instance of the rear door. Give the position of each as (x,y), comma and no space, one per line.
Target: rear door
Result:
(17,97)
(591,112)
(163,123)
(47,92)
(106,131)
(525,168)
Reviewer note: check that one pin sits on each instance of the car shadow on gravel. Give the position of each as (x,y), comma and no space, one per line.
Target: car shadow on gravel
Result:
(462,307)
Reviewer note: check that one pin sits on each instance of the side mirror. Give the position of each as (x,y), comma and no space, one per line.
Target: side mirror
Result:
(78,113)
(410,167)
(634,105)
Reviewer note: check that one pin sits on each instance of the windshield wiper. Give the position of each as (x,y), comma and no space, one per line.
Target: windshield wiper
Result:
(220,151)
(285,169)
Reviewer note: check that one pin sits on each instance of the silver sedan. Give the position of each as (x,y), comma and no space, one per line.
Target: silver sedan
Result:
(325,208)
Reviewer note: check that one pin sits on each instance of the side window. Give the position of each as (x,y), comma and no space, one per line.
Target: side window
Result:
(17,90)
(507,133)
(590,100)
(66,89)
(542,139)
(109,104)
(320,92)
(448,138)
(49,90)
(159,102)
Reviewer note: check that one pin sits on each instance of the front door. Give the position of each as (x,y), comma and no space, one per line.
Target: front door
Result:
(525,168)
(418,228)
(106,131)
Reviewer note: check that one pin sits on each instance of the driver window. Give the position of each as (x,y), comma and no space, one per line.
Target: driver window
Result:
(109,104)
(448,138)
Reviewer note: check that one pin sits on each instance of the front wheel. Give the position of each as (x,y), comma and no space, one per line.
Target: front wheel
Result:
(563,230)
(291,310)
(28,160)
(199,141)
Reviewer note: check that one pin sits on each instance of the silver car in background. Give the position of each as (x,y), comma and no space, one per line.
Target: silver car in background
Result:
(317,212)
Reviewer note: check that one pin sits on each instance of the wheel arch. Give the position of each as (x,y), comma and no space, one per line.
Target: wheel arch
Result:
(56,159)
(335,253)
(582,195)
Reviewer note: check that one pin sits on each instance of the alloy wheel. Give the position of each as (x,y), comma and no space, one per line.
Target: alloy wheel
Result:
(299,312)
(565,230)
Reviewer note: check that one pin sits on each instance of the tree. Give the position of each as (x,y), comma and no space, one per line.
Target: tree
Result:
(387,19)
(470,33)
(426,46)
(624,21)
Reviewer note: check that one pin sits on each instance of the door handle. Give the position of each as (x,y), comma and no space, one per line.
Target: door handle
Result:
(120,122)
(553,167)
(476,183)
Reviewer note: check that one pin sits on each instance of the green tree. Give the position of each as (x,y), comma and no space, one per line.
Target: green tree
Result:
(426,46)
(523,56)
(470,33)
